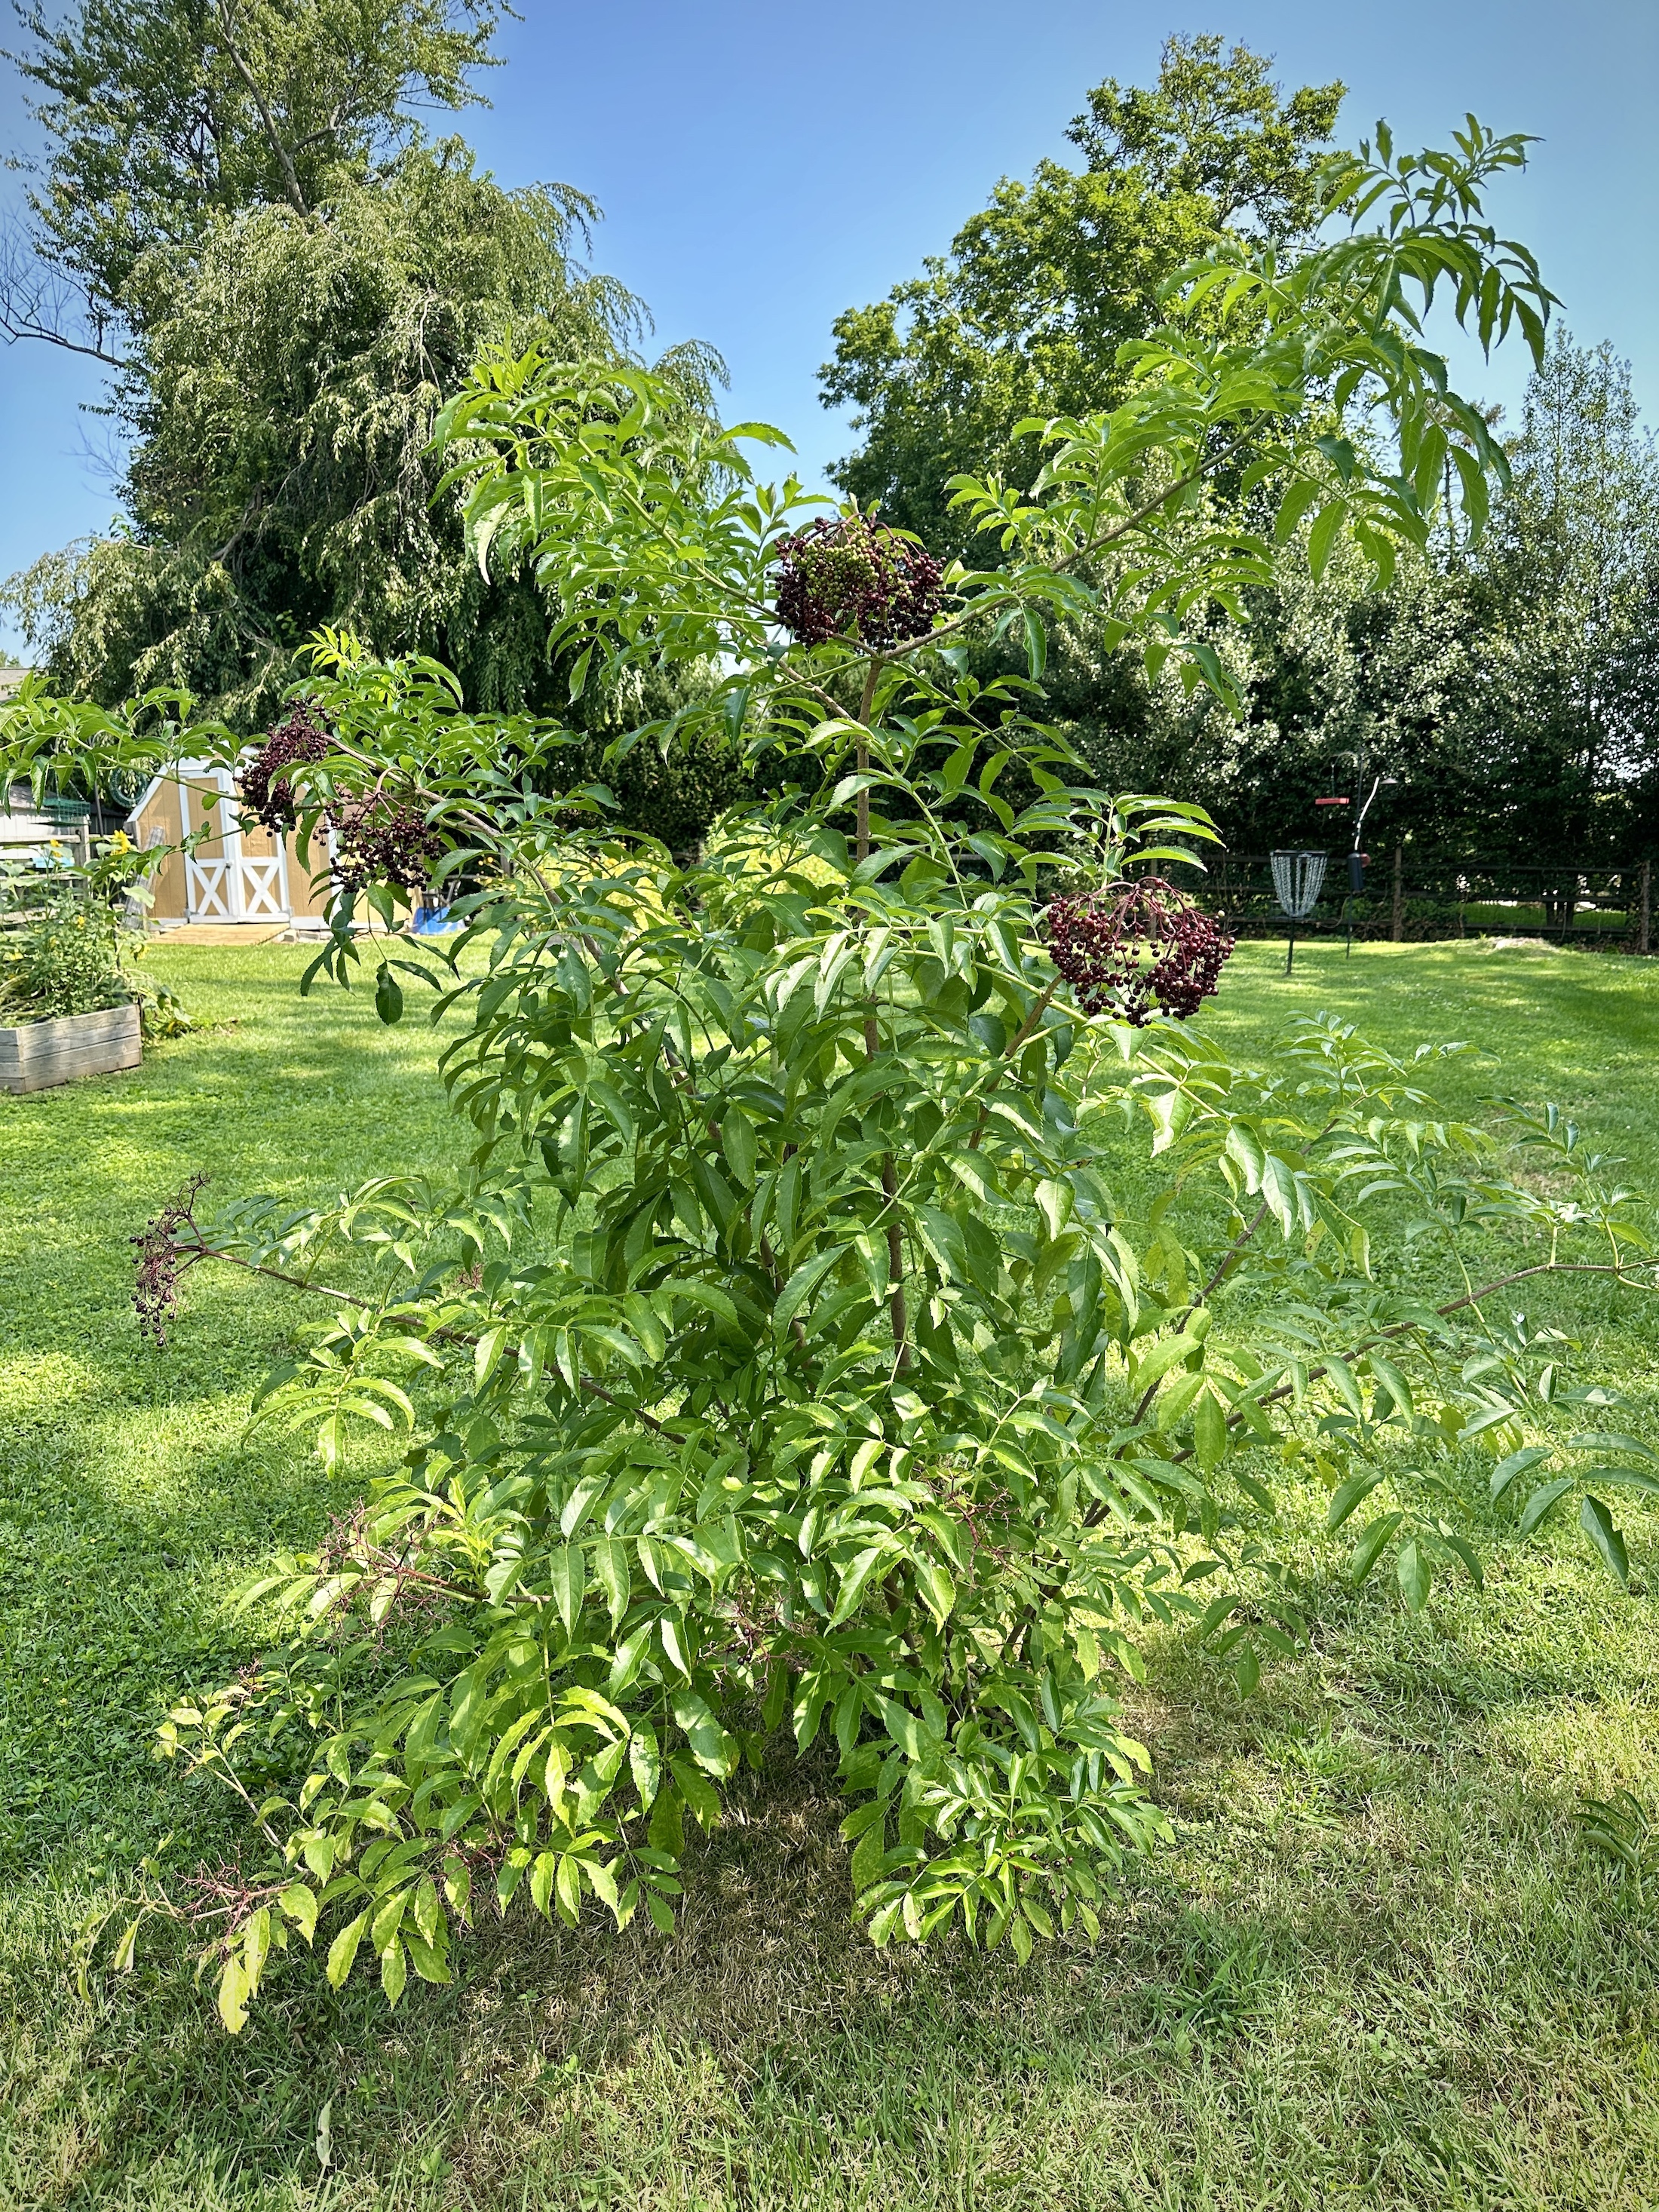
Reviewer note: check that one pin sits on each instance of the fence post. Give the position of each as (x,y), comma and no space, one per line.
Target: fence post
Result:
(1398,929)
(1647,900)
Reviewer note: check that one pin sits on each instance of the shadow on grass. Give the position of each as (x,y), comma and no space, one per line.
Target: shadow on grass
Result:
(1378,1970)
(1252,2031)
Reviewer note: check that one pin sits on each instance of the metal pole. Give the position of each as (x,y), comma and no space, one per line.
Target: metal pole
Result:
(1290,957)
(1398,931)
(1647,900)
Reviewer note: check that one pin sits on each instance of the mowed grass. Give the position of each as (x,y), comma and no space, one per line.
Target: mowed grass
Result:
(1381,1969)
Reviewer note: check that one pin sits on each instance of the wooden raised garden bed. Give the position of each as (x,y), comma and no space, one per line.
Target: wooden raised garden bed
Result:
(37,1055)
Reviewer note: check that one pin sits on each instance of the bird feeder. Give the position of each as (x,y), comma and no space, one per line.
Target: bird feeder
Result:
(1298,878)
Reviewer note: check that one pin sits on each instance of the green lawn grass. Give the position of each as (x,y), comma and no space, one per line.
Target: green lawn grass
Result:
(1381,1969)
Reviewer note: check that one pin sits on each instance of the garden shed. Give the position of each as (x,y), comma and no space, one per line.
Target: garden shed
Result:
(240,871)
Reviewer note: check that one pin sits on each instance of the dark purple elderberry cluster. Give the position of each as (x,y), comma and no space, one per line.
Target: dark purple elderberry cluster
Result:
(1134,946)
(265,789)
(162,1258)
(385,841)
(381,839)
(854,578)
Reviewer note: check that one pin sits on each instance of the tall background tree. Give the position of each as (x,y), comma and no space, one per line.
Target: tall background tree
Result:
(1509,684)
(161,117)
(237,209)
(1558,712)
(1024,315)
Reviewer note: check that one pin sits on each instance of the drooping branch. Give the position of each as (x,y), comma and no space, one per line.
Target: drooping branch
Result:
(1453,1305)
(202,1250)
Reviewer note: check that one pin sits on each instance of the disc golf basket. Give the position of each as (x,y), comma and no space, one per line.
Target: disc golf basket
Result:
(1298,878)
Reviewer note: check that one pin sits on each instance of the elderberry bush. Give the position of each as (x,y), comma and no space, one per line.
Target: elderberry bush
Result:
(785,1363)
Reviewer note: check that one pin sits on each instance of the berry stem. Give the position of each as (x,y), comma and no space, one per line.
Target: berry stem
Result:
(866,705)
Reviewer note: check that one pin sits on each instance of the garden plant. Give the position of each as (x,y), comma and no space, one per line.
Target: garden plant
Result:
(784,1359)
(68,948)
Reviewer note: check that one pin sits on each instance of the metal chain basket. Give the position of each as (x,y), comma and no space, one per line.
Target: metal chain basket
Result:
(1298,878)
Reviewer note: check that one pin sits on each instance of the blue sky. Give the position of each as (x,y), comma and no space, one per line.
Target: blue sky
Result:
(762,167)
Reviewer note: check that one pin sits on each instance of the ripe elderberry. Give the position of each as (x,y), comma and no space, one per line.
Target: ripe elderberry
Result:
(385,841)
(162,1258)
(1132,946)
(265,789)
(381,839)
(854,578)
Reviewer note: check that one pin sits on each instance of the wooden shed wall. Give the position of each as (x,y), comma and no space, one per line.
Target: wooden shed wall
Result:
(156,822)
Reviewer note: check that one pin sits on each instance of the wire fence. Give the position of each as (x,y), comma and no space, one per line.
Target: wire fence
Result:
(1412,899)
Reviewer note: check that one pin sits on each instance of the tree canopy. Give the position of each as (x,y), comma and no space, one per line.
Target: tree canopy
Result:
(161,116)
(1505,674)
(1558,716)
(278,478)
(1509,683)
(1024,315)
(289,280)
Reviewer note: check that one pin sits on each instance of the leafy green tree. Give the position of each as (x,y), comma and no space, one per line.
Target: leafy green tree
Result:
(1508,681)
(162,115)
(1558,717)
(1335,666)
(287,281)
(1025,315)
(279,476)
(784,1357)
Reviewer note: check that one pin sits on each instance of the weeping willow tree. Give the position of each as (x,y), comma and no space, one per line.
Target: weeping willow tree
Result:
(282,394)
(237,211)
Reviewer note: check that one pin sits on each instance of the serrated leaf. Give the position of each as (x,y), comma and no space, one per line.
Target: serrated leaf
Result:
(1348,1495)
(1367,1550)
(1517,1463)
(300,1904)
(868,1854)
(394,1971)
(701,1730)
(853,1580)
(645,1761)
(666,1833)
(343,1949)
(800,1286)
(1209,1432)
(1466,1552)
(568,1582)
(1414,1575)
(1539,1503)
(1599,1526)
(738,1143)
(543,1875)
(610,1566)
(428,1961)
(233,1995)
